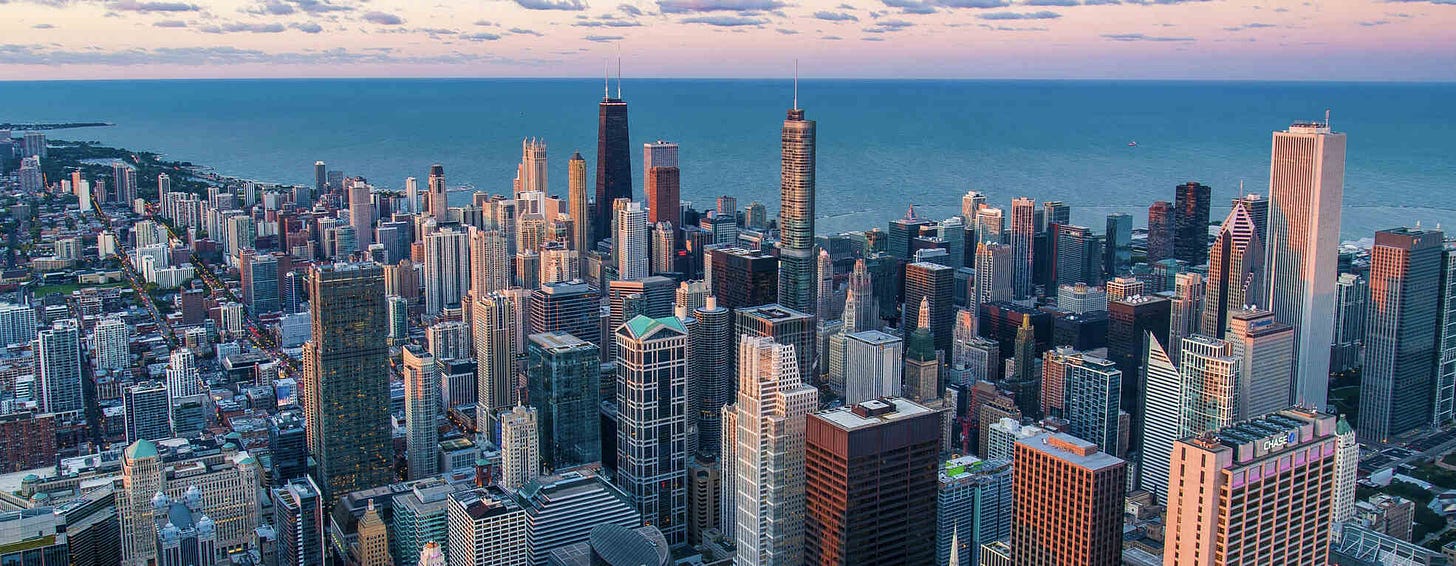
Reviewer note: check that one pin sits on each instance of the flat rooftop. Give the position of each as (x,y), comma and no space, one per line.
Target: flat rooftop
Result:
(880,411)
(1071,449)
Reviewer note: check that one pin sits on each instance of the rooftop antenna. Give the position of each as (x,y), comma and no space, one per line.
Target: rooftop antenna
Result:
(1327,117)
(619,71)
(606,76)
(1241,187)
(796,84)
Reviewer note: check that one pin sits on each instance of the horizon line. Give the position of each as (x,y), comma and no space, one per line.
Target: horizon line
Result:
(1451,81)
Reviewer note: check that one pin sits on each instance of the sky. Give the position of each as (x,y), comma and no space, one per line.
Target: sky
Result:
(1339,40)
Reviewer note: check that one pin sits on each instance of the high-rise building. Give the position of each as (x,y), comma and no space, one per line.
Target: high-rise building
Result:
(561,510)
(1161,414)
(1306,189)
(1444,407)
(448,340)
(785,326)
(1160,231)
(1023,228)
(486,526)
(1081,298)
(447,269)
(614,159)
(828,307)
(1093,399)
(1068,503)
(1127,321)
(219,485)
(1190,222)
(361,215)
(17,324)
(742,278)
(520,445)
(1258,208)
(661,185)
(345,389)
(922,362)
(1401,329)
(1234,486)
(112,343)
(712,358)
(973,507)
(578,204)
(860,311)
(1025,380)
(1266,347)
(300,521)
(652,420)
(570,307)
(936,283)
(1351,293)
(58,356)
(1212,376)
(531,173)
(421,411)
(562,375)
(763,495)
(490,262)
(496,329)
(1235,269)
(631,242)
(872,366)
(321,178)
(994,281)
(1347,471)
(373,538)
(124,177)
(1076,255)
(870,472)
(148,408)
(437,196)
(1185,309)
(1117,254)
(259,275)
(797,283)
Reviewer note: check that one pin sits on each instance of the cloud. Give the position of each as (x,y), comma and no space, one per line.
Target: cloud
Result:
(272,8)
(786,31)
(46,55)
(243,27)
(484,23)
(307,27)
(524,31)
(930,6)
(1371,24)
(836,16)
(871,39)
(568,5)
(383,18)
(603,38)
(831,38)
(629,9)
(43,26)
(887,26)
(690,6)
(320,6)
(1063,3)
(482,36)
(1010,28)
(911,6)
(979,4)
(147,7)
(725,21)
(1041,15)
(1436,2)
(1144,37)
(607,24)
(169,24)
(1254,25)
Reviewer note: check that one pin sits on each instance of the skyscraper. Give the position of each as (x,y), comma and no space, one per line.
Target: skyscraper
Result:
(1190,222)
(1023,228)
(936,283)
(578,204)
(652,421)
(784,325)
(148,407)
(486,526)
(531,173)
(58,356)
(490,263)
(631,242)
(562,375)
(860,311)
(1306,189)
(764,444)
(712,354)
(1161,412)
(1076,256)
(346,379)
(1118,251)
(1025,382)
(742,278)
(973,507)
(1351,294)
(1235,270)
(496,329)
(614,159)
(438,199)
(112,342)
(1232,487)
(1212,375)
(1068,508)
(1266,347)
(872,366)
(421,410)
(520,444)
(361,215)
(1444,409)
(1185,309)
(661,182)
(870,473)
(1160,231)
(447,269)
(1401,329)
(1093,399)
(797,283)
(320,178)
(994,281)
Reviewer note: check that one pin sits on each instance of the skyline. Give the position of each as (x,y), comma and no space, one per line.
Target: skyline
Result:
(1394,40)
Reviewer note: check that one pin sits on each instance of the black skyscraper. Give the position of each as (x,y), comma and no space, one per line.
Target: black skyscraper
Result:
(614,161)
(1190,223)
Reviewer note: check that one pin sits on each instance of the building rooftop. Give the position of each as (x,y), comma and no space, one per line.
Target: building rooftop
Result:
(1071,449)
(558,341)
(875,337)
(773,312)
(873,412)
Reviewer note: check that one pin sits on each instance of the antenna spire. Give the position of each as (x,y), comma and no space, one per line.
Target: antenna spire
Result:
(606,77)
(619,71)
(796,84)
(1327,117)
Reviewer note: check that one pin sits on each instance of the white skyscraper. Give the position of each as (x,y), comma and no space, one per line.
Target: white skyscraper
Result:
(58,353)
(112,343)
(17,324)
(631,241)
(531,173)
(484,529)
(1186,313)
(1347,471)
(763,442)
(361,214)
(520,446)
(496,329)
(994,281)
(1266,347)
(490,262)
(1161,415)
(412,195)
(1211,375)
(447,269)
(873,366)
(182,376)
(1306,189)
(421,411)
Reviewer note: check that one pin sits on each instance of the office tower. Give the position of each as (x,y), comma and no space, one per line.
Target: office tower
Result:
(447,269)
(651,420)
(361,215)
(1190,222)
(1025,381)
(743,278)
(123,176)
(657,294)
(1258,208)
(412,196)
(797,283)
(902,233)
(373,538)
(870,476)
(1076,256)
(1235,269)
(288,443)
(922,362)
(300,521)
(712,342)
(531,173)
(562,375)
(1093,397)
(397,315)
(691,295)
(1351,293)
(936,283)
(486,526)
(828,307)
(1054,212)
(1444,407)
(1117,253)
(345,388)
(1120,288)
(658,154)
(1401,328)
(663,255)
(1161,227)
(421,410)
(112,343)
(989,225)
(1185,309)
(58,356)
(1212,376)
(860,311)
(490,262)
(614,160)
(1069,504)
(320,178)
(577,203)
(17,324)
(147,406)
(570,307)
(220,485)
(1160,415)
(1023,227)
(1306,188)
(755,216)
(872,366)
(1266,348)
(972,202)
(1347,471)
(260,281)
(631,242)
(561,510)
(727,205)
(764,444)
(973,507)
(520,446)
(1126,321)
(1081,298)
(785,326)
(436,195)
(1232,487)
(661,183)
(994,279)
(496,328)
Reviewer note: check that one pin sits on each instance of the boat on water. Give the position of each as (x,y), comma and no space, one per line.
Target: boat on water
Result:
(1132,143)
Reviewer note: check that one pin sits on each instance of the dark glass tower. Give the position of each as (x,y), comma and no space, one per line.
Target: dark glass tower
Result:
(1190,222)
(797,283)
(614,160)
